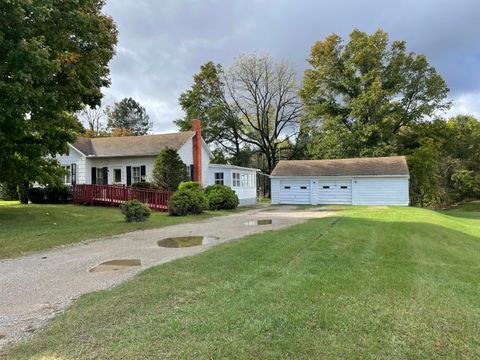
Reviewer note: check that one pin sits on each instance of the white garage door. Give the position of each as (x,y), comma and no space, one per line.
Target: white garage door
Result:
(335,192)
(294,192)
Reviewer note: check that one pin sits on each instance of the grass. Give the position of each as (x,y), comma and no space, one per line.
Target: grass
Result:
(374,283)
(29,228)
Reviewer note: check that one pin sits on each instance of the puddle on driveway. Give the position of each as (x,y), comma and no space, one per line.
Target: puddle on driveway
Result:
(114,265)
(262,222)
(186,241)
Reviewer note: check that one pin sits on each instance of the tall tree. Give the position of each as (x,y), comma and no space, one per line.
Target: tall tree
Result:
(206,100)
(363,93)
(54,59)
(129,114)
(169,170)
(94,118)
(265,95)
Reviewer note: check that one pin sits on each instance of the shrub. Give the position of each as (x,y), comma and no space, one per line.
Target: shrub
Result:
(169,170)
(187,202)
(135,211)
(58,194)
(190,185)
(36,195)
(221,197)
(142,185)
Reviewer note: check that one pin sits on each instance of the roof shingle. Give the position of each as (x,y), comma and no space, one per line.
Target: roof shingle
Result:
(147,145)
(393,165)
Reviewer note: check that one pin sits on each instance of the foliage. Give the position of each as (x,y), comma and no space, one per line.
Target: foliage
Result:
(363,93)
(119,132)
(135,211)
(8,191)
(94,118)
(51,194)
(36,195)
(130,115)
(206,100)
(169,170)
(54,59)
(142,185)
(187,202)
(190,185)
(221,197)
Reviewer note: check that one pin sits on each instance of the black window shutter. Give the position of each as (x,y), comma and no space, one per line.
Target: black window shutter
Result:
(94,175)
(143,172)
(105,175)
(73,173)
(191,172)
(129,175)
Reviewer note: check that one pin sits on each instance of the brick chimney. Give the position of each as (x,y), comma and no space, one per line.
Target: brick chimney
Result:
(197,150)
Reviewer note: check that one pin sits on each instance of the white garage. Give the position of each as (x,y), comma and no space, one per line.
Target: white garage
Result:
(359,181)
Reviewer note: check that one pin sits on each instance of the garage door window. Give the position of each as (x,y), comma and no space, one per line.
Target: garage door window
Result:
(303,187)
(326,187)
(343,187)
(286,187)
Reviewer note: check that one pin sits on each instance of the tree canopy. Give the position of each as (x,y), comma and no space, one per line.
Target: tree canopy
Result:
(54,59)
(362,94)
(130,115)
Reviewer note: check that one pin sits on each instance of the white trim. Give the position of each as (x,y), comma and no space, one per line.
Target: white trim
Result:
(74,148)
(234,167)
(337,176)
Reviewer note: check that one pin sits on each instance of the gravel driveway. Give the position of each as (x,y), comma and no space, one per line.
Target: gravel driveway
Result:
(34,288)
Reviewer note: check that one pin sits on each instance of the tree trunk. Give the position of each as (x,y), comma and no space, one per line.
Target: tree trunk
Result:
(22,192)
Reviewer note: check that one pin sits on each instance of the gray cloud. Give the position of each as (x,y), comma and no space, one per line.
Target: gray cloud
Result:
(163,43)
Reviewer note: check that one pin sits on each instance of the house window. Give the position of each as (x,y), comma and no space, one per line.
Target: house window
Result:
(236,179)
(66,178)
(99,176)
(244,180)
(219,178)
(136,174)
(117,176)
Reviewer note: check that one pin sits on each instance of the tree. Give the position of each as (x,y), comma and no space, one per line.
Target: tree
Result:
(129,114)
(364,93)
(206,100)
(95,118)
(265,95)
(54,59)
(169,170)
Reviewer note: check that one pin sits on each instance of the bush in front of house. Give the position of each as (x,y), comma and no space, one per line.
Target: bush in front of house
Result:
(58,194)
(142,185)
(135,211)
(190,185)
(221,197)
(187,202)
(36,195)
(169,170)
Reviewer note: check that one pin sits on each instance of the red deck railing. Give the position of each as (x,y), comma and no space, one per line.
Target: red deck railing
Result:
(114,195)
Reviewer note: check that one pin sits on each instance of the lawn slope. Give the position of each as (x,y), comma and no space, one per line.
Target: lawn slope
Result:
(377,283)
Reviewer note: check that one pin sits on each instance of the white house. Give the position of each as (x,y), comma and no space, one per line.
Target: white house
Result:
(130,159)
(360,181)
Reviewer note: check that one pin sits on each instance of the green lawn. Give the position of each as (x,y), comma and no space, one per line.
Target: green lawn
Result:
(374,283)
(29,228)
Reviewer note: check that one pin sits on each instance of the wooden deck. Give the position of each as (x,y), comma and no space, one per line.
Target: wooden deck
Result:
(114,195)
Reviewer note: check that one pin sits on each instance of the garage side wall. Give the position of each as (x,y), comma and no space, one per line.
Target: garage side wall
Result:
(275,191)
(380,191)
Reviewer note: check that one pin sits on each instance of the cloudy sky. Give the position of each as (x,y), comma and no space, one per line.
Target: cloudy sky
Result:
(163,43)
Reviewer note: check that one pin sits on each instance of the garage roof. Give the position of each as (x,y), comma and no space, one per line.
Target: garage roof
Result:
(393,165)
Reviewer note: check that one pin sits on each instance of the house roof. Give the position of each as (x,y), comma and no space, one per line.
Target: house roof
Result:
(394,165)
(228,166)
(147,145)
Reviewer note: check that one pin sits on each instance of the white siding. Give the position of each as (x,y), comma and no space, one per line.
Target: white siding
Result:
(247,195)
(74,157)
(380,191)
(121,163)
(275,191)
(186,154)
